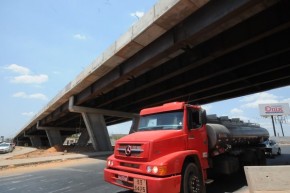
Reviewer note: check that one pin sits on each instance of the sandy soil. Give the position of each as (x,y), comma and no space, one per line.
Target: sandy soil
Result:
(52,151)
(45,166)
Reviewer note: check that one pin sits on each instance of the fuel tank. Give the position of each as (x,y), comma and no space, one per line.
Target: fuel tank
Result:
(233,134)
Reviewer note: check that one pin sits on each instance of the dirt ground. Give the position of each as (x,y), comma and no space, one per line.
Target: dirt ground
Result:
(50,165)
(53,151)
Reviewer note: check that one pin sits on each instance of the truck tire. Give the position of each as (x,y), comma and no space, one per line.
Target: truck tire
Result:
(192,181)
(261,157)
(249,158)
(271,155)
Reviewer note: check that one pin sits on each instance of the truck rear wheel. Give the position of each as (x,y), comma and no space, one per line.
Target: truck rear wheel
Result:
(192,180)
(261,157)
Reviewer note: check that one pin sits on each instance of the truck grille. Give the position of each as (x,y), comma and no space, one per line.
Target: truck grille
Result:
(131,151)
(129,165)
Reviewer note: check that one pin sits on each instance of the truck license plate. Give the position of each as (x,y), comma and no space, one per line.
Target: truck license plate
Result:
(140,185)
(123,178)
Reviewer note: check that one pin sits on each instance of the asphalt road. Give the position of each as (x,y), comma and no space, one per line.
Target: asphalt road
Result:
(87,177)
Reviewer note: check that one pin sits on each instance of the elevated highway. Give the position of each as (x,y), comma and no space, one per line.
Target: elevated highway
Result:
(191,50)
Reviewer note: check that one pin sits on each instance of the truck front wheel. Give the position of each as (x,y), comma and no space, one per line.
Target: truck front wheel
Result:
(191,180)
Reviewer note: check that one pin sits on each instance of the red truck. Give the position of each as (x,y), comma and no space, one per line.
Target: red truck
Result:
(176,145)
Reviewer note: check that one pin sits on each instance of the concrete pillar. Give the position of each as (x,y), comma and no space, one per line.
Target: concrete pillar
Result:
(63,138)
(97,130)
(96,125)
(134,125)
(54,137)
(84,138)
(35,141)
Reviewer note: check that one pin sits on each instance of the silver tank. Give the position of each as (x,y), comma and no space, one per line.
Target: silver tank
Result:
(232,134)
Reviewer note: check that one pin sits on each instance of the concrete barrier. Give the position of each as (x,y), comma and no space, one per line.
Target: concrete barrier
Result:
(268,179)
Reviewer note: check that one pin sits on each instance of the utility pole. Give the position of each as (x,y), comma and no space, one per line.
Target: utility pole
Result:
(273,125)
(280,121)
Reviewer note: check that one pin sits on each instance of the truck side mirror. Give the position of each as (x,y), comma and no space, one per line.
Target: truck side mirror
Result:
(203,116)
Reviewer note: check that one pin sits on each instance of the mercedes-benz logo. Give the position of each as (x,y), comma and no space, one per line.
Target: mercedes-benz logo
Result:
(128,150)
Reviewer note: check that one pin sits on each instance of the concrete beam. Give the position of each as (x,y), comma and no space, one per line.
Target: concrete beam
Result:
(98,132)
(54,137)
(79,109)
(84,138)
(53,128)
(25,135)
(36,141)
(268,179)
(134,125)
(96,125)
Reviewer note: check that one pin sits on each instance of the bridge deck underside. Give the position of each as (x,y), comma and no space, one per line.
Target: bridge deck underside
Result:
(249,57)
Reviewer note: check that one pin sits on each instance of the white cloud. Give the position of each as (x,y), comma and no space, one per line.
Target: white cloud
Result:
(236,111)
(137,14)
(29,114)
(207,107)
(24,95)
(18,69)
(259,98)
(239,113)
(30,79)
(25,77)
(286,100)
(79,37)
(20,95)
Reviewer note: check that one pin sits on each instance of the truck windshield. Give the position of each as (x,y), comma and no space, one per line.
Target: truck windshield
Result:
(172,120)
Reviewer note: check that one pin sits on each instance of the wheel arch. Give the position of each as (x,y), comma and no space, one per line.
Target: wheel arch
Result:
(193,158)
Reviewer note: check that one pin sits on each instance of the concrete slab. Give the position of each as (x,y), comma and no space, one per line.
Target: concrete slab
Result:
(129,50)
(168,13)
(268,179)
(162,17)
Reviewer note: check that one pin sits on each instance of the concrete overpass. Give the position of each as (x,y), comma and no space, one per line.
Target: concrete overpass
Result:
(194,50)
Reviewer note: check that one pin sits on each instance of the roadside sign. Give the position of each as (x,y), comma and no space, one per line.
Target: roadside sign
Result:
(274,109)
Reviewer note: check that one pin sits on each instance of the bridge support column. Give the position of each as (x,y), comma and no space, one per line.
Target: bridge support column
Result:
(36,141)
(97,130)
(134,125)
(53,134)
(96,125)
(54,137)
(84,138)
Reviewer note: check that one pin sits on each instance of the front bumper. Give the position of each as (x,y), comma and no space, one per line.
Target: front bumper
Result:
(169,184)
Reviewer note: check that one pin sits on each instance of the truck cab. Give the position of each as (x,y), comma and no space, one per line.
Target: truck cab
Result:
(171,140)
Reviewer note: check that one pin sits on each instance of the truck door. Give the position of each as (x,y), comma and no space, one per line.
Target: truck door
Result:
(197,136)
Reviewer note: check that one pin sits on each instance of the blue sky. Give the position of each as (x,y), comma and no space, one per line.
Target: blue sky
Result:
(45,44)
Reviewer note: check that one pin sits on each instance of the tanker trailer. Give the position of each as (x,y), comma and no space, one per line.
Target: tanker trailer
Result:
(234,144)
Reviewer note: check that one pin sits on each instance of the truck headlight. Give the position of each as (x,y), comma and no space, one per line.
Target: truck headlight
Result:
(155,170)
(110,163)
(149,169)
(159,170)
